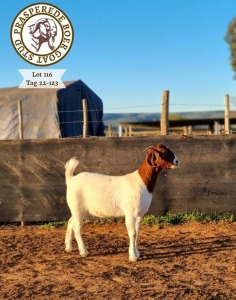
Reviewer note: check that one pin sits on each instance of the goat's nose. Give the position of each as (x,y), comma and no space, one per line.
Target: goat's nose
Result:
(176,162)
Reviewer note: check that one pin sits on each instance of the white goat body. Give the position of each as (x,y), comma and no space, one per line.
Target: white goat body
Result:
(107,196)
(92,194)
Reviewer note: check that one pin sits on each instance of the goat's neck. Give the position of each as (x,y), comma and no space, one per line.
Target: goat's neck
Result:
(149,175)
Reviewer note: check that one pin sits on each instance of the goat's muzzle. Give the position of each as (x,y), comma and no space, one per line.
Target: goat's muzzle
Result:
(175,163)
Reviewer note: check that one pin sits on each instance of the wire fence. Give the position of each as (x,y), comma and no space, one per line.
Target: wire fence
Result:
(112,127)
(174,104)
(232,100)
(133,107)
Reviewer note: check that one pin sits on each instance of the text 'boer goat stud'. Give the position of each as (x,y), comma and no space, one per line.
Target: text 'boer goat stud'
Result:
(129,196)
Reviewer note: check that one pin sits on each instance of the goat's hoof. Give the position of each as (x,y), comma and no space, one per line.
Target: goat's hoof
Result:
(84,254)
(68,250)
(133,259)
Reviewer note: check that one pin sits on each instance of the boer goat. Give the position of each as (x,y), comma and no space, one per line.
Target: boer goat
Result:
(130,195)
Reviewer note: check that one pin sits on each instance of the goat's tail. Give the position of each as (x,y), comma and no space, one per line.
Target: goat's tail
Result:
(70,167)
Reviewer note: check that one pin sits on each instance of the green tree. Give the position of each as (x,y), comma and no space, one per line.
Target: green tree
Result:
(230,38)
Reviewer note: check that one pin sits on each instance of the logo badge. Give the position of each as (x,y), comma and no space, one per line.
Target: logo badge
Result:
(42,34)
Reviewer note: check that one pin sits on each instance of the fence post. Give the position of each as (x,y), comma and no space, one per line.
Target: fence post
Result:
(110,130)
(20,129)
(120,130)
(20,120)
(85,118)
(227,122)
(165,113)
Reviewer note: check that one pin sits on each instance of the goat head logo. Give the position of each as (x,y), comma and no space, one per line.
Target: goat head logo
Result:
(44,30)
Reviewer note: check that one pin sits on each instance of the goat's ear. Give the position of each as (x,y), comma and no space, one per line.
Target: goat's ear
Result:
(148,149)
(152,158)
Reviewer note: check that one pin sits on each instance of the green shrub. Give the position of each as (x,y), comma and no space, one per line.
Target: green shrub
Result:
(55,224)
(161,221)
(181,218)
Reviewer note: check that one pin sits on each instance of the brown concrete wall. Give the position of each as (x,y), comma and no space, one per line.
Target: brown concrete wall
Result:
(32,184)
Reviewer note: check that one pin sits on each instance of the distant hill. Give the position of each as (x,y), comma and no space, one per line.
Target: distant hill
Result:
(115,118)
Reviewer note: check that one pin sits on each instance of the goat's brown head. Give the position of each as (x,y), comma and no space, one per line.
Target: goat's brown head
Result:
(161,156)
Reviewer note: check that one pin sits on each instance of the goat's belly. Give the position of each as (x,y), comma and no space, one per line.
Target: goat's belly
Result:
(105,214)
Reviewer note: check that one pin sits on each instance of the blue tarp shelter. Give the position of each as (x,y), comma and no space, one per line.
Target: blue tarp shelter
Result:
(70,110)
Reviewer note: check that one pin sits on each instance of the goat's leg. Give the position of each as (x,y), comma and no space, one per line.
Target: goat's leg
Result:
(77,227)
(130,225)
(69,236)
(137,227)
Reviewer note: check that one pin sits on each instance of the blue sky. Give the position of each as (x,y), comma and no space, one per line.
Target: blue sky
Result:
(129,51)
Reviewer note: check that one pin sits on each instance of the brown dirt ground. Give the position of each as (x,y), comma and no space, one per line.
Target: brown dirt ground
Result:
(193,261)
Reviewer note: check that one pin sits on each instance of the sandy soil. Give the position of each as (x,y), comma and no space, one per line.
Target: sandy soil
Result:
(194,261)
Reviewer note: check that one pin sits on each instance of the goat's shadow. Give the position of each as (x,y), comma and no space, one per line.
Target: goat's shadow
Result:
(151,251)
(188,248)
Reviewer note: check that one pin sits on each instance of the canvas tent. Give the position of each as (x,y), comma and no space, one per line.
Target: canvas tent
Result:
(50,113)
